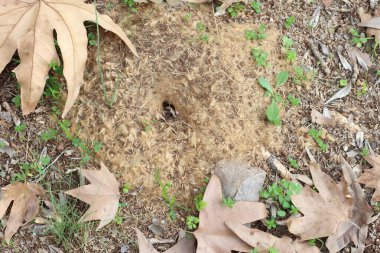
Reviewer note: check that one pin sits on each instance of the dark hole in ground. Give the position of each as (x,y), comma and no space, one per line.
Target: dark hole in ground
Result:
(169,111)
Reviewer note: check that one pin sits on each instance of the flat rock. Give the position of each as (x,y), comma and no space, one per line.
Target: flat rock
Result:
(240,180)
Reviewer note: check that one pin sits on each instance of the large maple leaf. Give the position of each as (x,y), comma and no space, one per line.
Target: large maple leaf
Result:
(28,26)
(25,205)
(337,211)
(102,195)
(213,236)
(371,178)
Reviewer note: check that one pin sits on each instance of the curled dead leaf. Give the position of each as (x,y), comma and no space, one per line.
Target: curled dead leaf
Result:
(371,177)
(25,205)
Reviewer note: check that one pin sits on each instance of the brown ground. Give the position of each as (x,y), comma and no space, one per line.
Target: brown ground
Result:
(221,109)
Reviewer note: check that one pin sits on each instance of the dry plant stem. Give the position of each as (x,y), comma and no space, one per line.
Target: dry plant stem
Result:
(276,165)
(16,119)
(316,53)
(339,9)
(156,241)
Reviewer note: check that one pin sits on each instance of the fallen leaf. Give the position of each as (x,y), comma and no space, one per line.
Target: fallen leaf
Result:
(102,195)
(327,3)
(340,94)
(320,119)
(372,24)
(24,208)
(331,212)
(184,245)
(212,229)
(371,177)
(363,59)
(263,241)
(28,27)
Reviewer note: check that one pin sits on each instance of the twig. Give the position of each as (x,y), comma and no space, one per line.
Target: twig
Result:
(340,9)
(156,241)
(276,165)
(316,53)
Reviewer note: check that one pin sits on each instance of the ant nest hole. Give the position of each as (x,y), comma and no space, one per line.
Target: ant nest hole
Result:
(168,111)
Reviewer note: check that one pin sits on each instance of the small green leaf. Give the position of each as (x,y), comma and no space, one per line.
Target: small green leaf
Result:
(265,84)
(273,113)
(281,78)
(281,213)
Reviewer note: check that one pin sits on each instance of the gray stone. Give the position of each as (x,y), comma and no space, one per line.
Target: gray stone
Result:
(240,180)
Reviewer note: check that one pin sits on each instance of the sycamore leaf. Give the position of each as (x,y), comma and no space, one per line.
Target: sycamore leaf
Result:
(25,205)
(184,245)
(371,178)
(332,212)
(213,236)
(263,241)
(28,26)
(102,195)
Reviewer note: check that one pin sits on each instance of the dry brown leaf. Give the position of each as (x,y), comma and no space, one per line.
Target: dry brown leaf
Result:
(372,24)
(184,245)
(102,195)
(212,229)
(27,26)
(371,178)
(327,3)
(25,205)
(263,241)
(320,119)
(331,212)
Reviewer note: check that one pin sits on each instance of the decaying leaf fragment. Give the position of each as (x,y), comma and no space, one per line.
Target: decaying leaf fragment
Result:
(28,26)
(102,195)
(213,236)
(337,211)
(184,245)
(372,23)
(25,205)
(371,178)
(263,241)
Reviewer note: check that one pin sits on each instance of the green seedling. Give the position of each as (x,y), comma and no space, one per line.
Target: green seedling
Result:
(50,134)
(2,144)
(287,43)
(364,152)
(273,250)
(293,163)
(126,188)
(362,89)
(17,101)
(378,73)
(228,202)
(260,57)
(358,39)
(316,135)
(201,30)
(28,170)
(280,193)
(235,9)
(199,203)
(131,5)
(91,39)
(256,35)
(255,250)
(273,110)
(343,82)
(97,146)
(293,100)
(192,222)
(289,21)
(170,200)
(20,128)
(312,242)
(187,17)
(256,6)
(302,75)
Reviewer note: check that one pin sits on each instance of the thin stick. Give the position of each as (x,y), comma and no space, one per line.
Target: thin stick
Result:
(316,53)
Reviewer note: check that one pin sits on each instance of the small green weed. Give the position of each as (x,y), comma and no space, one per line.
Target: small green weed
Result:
(255,250)
(131,5)
(358,39)
(187,17)
(91,39)
(289,21)
(362,90)
(256,6)
(228,202)
(273,110)
(302,75)
(235,9)
(293,163)
(364,152)
(291,54)
(17,101)
(35,169)
(201,30)
(260,57)
(199,203)
(273,250)
(50,134)
(192,222)
(2,144)
(281,192)
(293,100)
(316,135)
(20,128)
(126,188)
(256,35)
(170,200)
(343,83)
